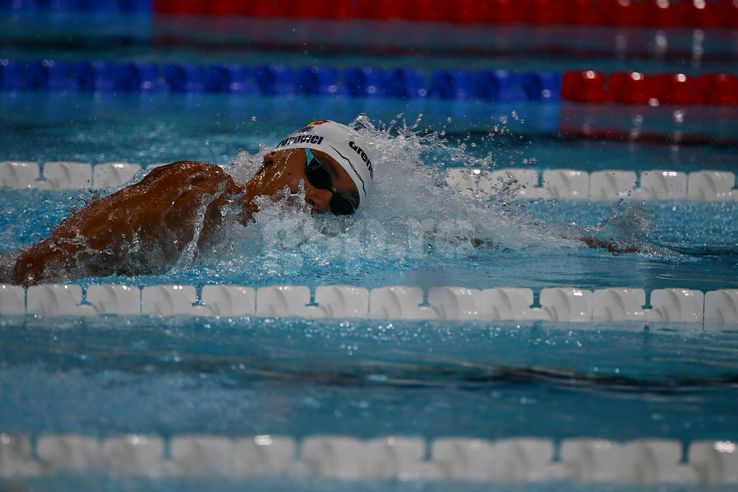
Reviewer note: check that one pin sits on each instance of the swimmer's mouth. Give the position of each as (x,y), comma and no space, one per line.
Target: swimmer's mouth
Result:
(297,201)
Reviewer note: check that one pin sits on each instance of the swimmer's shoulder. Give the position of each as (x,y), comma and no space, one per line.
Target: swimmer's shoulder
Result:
(191,174)
(185,168)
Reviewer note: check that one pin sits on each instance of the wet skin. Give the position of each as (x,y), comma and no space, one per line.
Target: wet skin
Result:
(145,227)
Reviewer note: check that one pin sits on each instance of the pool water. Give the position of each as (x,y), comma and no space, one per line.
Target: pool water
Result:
(110,375)
(367,378)
(168,127)
(698,241)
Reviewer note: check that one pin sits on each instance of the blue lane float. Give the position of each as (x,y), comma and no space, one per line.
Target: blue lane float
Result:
(94,76)
(231,78)
(365,82)
(59,6)
(275,80)
(541,86)
(406,83)
(137,77)
(12,75)
(497,86)
(50,75)
(318,81)
(451,84)
(182,77)
(500,86)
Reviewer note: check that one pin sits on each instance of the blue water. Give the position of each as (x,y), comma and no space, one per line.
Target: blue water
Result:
(105,376)
(366,378)
(702,236)
(169,127)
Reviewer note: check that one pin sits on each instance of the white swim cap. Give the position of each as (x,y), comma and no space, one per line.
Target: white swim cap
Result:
(342,143)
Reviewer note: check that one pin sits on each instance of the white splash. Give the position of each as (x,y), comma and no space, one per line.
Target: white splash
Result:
(411,212)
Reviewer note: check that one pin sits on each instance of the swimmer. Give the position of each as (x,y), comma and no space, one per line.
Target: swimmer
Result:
(144,228)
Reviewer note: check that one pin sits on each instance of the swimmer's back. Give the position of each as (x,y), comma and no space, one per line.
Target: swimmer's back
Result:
(140,229)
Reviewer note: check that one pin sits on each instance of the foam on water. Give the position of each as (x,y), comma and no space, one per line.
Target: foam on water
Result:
(411,214)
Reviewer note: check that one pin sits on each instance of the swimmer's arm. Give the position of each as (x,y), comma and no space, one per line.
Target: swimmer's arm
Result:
(156,212)
(592,242)
(610,246)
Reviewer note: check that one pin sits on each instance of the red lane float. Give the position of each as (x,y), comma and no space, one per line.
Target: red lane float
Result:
(585,86)
(630,87)
(677,88)
(589,86)
(718,88)
(693,13)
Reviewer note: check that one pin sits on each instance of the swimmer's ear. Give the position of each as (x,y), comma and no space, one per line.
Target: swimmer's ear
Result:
(268,159)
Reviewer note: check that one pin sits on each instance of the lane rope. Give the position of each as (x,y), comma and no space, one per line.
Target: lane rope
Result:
(523,183)
(514,460)
(395,302)
(588,86)
(704,14)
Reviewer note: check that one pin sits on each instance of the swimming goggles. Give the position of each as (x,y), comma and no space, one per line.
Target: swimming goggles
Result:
(319,175)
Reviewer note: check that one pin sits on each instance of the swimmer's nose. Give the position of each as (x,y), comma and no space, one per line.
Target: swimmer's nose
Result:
(318,199)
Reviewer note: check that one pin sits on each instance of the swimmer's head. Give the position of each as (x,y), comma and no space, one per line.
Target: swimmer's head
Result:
(342,144)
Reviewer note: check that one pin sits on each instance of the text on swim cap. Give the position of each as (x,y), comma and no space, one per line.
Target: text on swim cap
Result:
(364,157)
(301,139)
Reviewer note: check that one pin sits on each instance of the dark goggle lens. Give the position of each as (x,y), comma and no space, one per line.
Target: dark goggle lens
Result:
(318,175)
(340,205)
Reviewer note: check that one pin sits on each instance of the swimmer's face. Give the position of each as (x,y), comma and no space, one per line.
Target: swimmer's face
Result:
(322,196)
(323,175)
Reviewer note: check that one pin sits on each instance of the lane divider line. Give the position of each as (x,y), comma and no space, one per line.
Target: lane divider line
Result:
(497,85)
(525,183)
(557,304)
(606,185)
(712,14)
(511,460)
